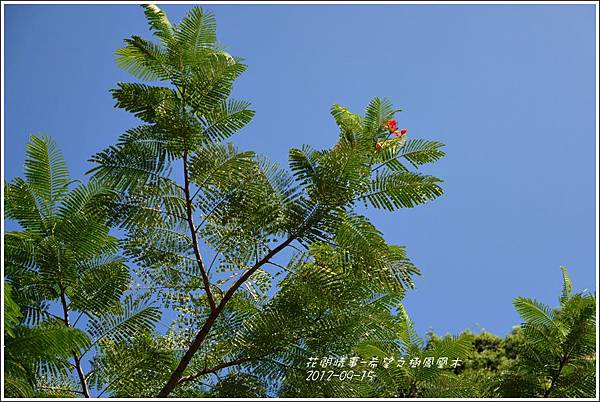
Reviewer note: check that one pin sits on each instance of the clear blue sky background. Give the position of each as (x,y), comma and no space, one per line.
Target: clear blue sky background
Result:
(509,88)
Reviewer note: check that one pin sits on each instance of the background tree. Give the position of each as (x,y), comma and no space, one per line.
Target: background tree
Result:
(205,220)
(67,282)
(557,356)
(551,353)
(487,357)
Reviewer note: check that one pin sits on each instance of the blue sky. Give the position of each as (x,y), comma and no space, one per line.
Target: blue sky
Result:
(509,88)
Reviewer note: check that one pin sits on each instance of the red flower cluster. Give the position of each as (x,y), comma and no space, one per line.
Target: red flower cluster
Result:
(392,126)
(401,132)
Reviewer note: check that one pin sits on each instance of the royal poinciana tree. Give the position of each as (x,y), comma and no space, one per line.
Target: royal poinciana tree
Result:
(227,275)
(257,262)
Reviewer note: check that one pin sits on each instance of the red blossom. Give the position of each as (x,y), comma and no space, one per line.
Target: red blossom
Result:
(403,131)
(392,125)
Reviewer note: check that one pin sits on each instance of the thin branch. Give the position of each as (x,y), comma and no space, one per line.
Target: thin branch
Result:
(63,300)
(199,339)
(297,249)
(194,235)
(215,368)
(217,252)
(563,360)
(209,214)
(254,268)
(213,209)
(195,193)
(34,307)
(60,389)
(281,266)
(78,317)
(107,386)
(384,163)
(207,384)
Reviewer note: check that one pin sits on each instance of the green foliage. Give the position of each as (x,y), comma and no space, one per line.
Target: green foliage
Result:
(551,354)
(233,205)
(12,313)
(557,357)
(414,377)
(63,260)
(262,266)
(132,367)
(238,386)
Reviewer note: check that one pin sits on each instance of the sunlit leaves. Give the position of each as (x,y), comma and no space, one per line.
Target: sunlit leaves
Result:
(350,124)
(197,30)
(419,151)
(211,81)
(62,266)
(131,166)
(225,119)
(11,311)
(21,205)
(100,286)
(144,59)
(132,317)
(558,347)
(134,368)
(240,206)
(159,23)
(38,352)
(393,190)
(46,171)
(377,113)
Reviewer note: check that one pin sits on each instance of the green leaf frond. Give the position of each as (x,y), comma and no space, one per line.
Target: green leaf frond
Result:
(224,120)
(159,23)
(46,172)
(145,60)
(132,369)
(419,151)
(567,289)
(376,114)
(135,316)
(393,190)
(197,30)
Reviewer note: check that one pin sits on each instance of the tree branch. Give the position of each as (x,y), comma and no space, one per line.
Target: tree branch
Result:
(195,345)
(254,268)
(84,386)
(194,235)
(210,212)
(281,266)
(563,360)
(215,368)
